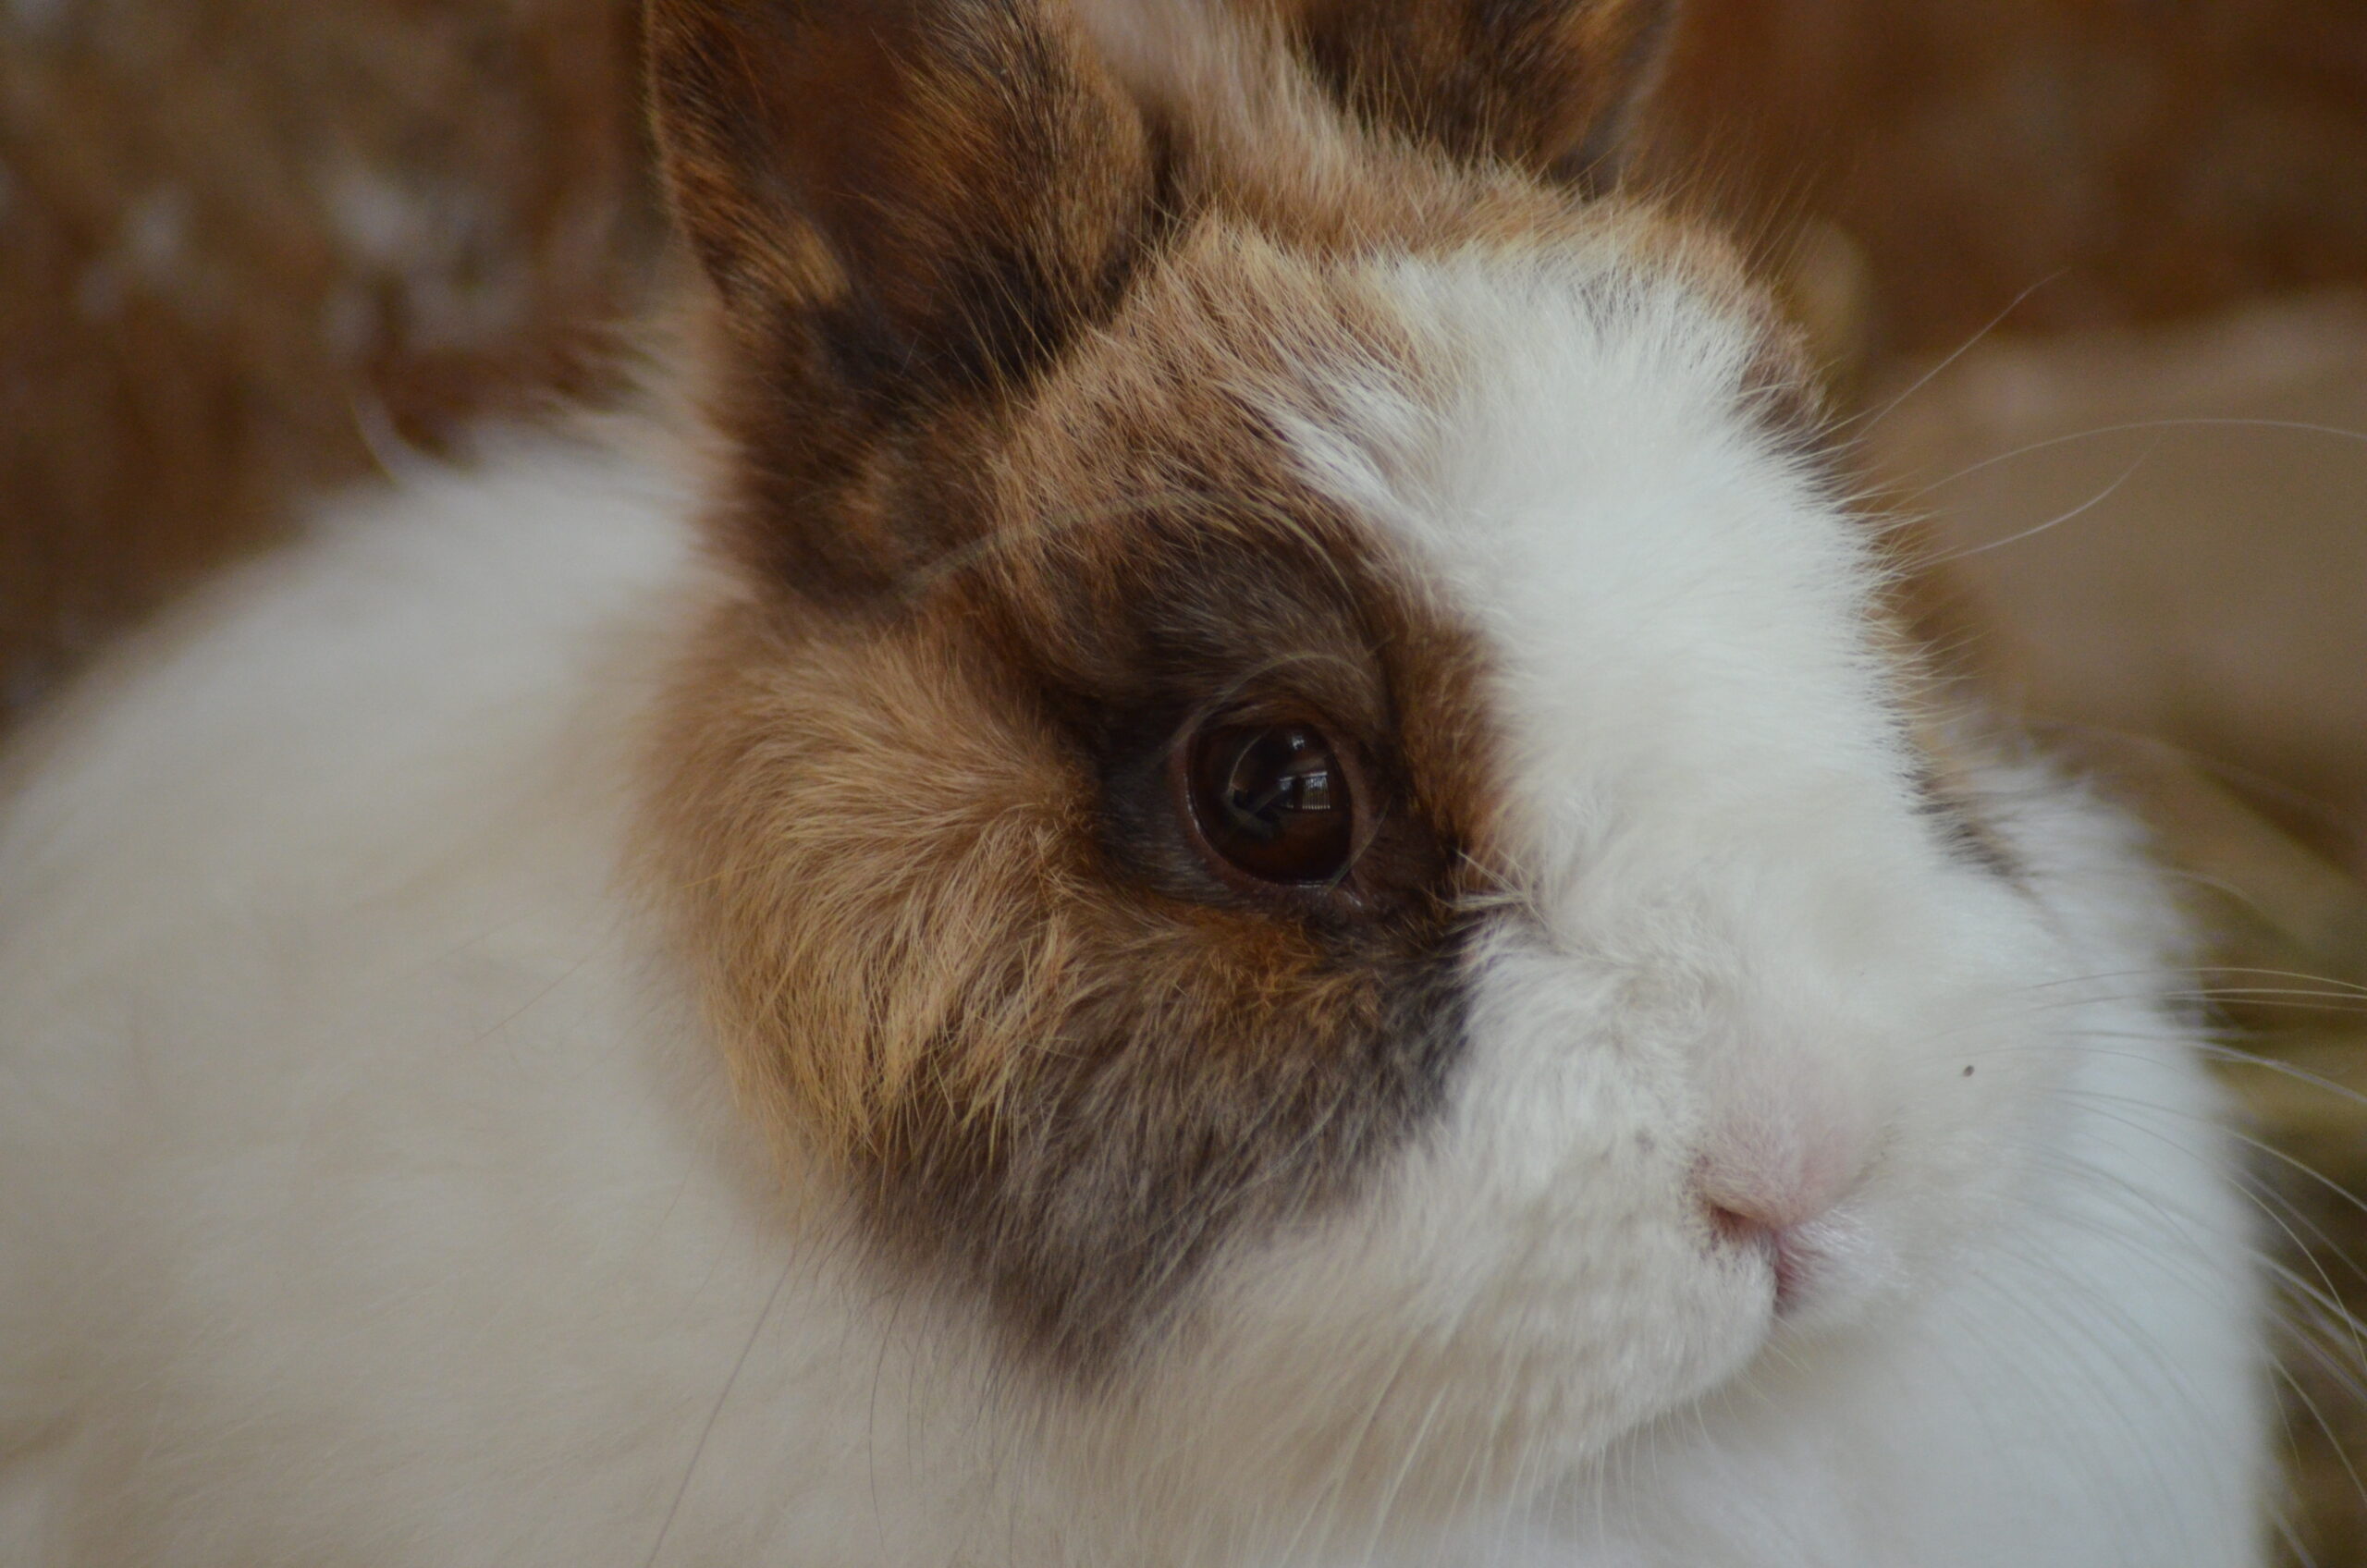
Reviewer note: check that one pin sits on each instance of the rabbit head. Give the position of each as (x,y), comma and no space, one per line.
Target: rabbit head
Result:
(1309,809)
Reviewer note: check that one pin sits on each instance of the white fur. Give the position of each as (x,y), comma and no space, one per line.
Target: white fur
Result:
(372,1197)
(2032,1337)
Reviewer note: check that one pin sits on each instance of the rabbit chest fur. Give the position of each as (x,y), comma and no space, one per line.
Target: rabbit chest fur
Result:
(1250,871)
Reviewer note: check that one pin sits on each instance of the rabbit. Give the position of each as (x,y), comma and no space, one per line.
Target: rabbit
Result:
(1241,860)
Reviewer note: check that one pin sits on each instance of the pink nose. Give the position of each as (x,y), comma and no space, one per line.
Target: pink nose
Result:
(1778,1201)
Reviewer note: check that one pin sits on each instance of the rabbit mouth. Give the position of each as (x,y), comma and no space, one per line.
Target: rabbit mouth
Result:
(1820,1272)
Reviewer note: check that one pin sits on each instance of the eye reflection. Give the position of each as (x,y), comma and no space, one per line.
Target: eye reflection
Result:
(1272,801)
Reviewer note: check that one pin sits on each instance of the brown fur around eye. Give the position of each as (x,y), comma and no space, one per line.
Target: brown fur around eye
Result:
(1064,1086)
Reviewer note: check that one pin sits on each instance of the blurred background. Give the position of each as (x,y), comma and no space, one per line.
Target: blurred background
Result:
(2090,277)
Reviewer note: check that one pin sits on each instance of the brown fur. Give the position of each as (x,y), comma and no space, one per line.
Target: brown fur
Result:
(1052,1048)
(1544,84)
(879,286)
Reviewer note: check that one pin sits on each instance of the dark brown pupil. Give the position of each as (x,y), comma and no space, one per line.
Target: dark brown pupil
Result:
(1274,801)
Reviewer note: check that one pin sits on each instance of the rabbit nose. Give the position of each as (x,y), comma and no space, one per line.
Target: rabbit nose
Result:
(1779,1191)
(1771,1196)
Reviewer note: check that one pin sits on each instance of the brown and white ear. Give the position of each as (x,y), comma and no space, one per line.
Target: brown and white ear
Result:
(913,197)
(1549,85)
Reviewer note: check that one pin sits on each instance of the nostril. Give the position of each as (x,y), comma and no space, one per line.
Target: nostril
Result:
(1740,1229)
(1779,1244)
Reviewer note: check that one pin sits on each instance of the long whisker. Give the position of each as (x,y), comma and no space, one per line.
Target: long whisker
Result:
(2345,1374)
(2099,498)
(2189,422)
(1876,416)
(698,1452)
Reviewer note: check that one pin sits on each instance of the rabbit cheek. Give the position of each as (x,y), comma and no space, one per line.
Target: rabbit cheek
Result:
(1040,1087)
(1232,1084)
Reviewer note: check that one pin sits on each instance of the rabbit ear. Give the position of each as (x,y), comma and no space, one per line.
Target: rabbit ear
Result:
(1546,84)
(911,198)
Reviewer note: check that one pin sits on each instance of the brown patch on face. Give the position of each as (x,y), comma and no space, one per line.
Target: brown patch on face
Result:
(959,942)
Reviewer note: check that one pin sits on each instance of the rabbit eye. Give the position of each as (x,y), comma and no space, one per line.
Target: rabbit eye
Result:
(1271,802)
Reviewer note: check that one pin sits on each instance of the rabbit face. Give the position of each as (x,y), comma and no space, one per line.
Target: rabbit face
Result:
(1308,808)
(1742,986)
